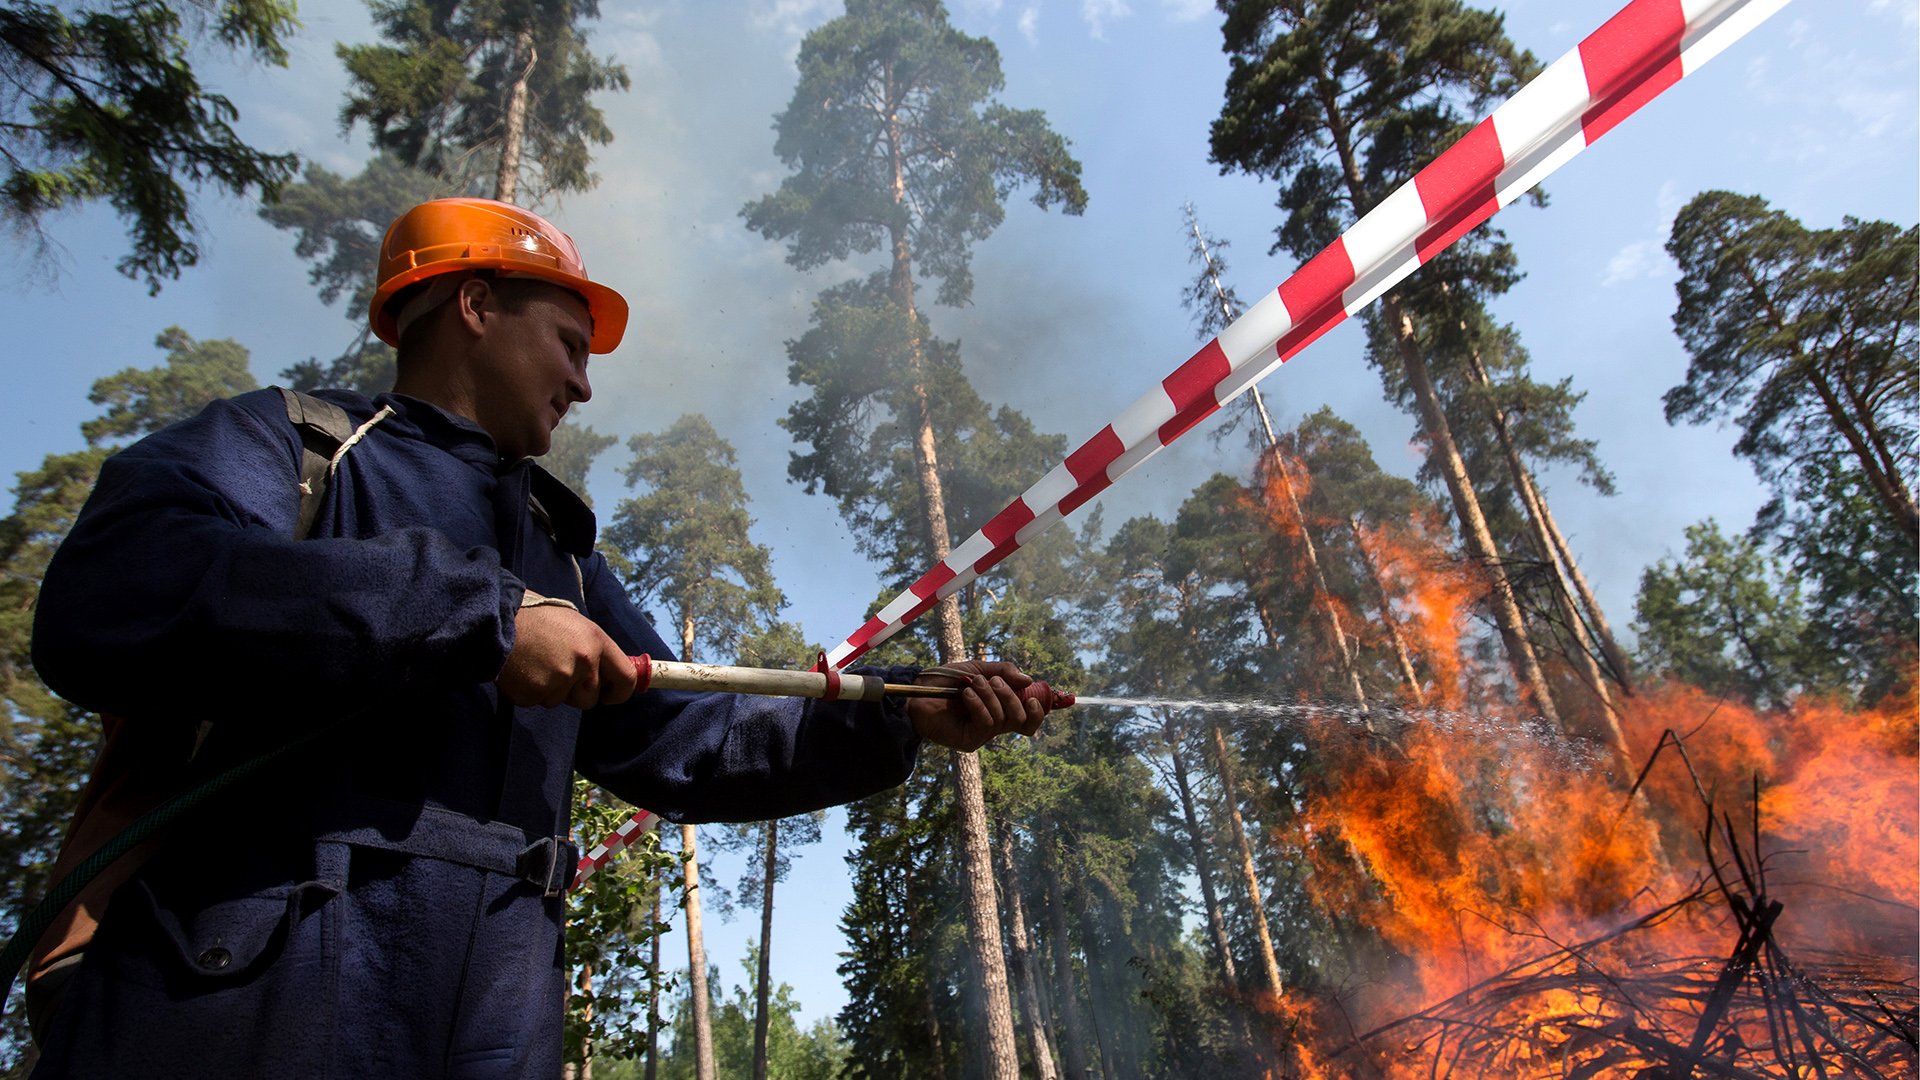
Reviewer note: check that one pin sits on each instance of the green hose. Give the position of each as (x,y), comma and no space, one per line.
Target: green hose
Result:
(36,922)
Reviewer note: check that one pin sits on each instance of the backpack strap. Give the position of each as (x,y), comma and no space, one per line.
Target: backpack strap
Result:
(324,427)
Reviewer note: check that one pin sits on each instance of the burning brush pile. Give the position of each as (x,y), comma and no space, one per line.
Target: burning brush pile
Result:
(1746,909)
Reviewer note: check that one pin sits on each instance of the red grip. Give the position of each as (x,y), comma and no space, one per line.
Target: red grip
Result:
(1049,698)
(643,668)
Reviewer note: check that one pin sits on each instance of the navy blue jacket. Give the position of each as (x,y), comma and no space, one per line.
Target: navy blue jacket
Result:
(366,915)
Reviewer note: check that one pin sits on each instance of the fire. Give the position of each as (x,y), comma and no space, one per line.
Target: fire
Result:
(1507,907)
(1431,597)
(1531,907)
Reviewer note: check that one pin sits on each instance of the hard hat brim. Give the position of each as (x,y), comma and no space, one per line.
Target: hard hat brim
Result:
(607,308)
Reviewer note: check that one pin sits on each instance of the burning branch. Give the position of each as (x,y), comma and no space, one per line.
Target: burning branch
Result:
(1653,998)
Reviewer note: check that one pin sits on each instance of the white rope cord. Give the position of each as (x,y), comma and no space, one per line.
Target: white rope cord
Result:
(359,433)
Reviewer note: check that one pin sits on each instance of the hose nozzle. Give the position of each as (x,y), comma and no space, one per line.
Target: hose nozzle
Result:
(1049,698)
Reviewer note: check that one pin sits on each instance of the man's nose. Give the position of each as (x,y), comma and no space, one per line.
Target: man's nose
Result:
(578,388)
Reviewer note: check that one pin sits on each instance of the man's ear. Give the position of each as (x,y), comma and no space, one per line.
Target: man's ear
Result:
(474,305)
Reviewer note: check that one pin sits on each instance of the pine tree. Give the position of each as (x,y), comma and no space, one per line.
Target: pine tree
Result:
(102,102)
(1810,334)
(898,1020)
(1726,618)
(771,845)
(1169,628)
(685,539)
(489,94)
(894,139)
(1217,307)
(1506,424)
(1342,102)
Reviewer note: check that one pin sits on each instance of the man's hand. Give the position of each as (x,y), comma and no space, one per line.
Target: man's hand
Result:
(989,706)
(561,656)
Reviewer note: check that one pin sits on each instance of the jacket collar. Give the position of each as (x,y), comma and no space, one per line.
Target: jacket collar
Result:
(560,510)
(450,431)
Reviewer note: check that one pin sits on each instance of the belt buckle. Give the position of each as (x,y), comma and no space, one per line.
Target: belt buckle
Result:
(540,864)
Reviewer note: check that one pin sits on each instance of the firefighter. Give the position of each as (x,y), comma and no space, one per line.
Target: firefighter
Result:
(399,575)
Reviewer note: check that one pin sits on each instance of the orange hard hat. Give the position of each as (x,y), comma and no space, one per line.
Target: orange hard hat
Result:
(448,235)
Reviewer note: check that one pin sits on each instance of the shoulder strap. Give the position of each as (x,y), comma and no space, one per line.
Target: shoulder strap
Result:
(324,427)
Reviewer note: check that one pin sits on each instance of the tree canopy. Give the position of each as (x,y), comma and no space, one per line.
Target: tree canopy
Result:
(1805,339)
(103,103)
(437,93)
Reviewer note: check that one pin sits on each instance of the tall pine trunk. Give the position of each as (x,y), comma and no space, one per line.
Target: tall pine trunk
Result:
(1466,504)
(1230,789)
(1197,848)
(1533,503)
(1322,595)
(1073,1037)
(506,183)
(1453,467)
(1106,1033)
(1002,1060)
(704,1064)
(761,1018)
(1609,645)
(1023,968)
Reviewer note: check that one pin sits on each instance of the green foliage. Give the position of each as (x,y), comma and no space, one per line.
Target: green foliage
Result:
(434,94)
(1805,339)
(143,400)
(571,457)
(686,538)
(1193,1035)
(817,1053)
(1460,335)
(777,644)
(1404,76)
(862,359)
(1730,619)
(904,930)
(104,104)
(609,925)
(895,138)
(339,222)
(1861,577)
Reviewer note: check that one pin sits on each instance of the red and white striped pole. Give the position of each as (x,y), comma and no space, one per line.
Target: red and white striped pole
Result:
(1645,48)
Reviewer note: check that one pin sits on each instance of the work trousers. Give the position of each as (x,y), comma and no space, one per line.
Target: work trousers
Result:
(343,957)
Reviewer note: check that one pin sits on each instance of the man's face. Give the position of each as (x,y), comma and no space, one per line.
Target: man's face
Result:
(530,366)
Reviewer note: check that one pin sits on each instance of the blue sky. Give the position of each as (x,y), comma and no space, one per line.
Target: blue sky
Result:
(1072,318)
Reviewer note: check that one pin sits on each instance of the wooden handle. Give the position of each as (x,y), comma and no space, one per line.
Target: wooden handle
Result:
(720,678)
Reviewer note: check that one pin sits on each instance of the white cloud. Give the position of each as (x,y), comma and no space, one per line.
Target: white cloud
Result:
(1030,24)
(791,17)
(1640,259)
(1188,10)
(1859,97)
(1098,12)
(1648,258)
(1669,202)
(1906,11)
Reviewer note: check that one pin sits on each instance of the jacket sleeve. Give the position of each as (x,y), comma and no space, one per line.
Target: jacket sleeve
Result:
(733,757)
(181,585)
